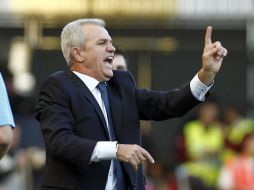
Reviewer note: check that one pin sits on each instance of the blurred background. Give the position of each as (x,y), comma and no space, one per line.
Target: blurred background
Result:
(162,41)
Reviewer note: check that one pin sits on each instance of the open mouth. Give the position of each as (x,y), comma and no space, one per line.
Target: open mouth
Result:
(109,60)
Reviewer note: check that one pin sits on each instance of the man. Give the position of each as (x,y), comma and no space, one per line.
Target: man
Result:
(119,61)
(238,172)
(90,143)
(6,120)
(204,144)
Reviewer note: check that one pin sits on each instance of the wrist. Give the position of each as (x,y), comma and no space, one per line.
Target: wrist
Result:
(206,76)
(117,148)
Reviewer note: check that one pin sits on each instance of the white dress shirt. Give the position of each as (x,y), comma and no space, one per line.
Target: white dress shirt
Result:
(106,150)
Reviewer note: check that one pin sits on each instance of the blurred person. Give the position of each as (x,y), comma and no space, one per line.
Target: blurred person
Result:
(119,61)
(20,104)
(156,178)
(90,143)
(12,165)
(17,165)
(204,143)
(31,145)
(238,173)
(236,126)
(203,136)
(6,120)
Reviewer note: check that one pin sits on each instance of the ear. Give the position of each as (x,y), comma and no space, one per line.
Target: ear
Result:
(76,54)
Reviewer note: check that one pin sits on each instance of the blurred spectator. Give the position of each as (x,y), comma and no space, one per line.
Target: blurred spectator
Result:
(12,176)
(6,120)
(29,148)
(238,173)
(203,140)
(236,127)
(160,177)
(16,167)
(19,104)
(119,61)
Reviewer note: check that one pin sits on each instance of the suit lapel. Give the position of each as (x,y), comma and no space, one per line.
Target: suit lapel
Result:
(89,96)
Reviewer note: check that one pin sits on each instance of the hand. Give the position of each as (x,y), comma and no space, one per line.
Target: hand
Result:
(212,58)
(133,154)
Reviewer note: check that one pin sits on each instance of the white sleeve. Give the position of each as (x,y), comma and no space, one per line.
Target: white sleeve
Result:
(104,150)
(6,117)
(198,88)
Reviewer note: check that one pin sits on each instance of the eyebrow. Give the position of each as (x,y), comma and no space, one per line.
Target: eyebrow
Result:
(105,39)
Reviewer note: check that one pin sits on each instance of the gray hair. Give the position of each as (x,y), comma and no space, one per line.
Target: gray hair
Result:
(73,36)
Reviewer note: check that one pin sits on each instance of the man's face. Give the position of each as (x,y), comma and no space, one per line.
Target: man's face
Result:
(98,53)
(119,63)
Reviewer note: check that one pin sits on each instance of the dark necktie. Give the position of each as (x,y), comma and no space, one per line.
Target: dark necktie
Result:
(118,172)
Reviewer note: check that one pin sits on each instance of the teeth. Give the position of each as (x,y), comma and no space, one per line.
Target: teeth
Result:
(111,58)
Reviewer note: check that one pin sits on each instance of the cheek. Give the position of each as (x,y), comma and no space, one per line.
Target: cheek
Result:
(97,62)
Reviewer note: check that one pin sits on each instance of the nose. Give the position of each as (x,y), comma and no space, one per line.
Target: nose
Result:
(111,48)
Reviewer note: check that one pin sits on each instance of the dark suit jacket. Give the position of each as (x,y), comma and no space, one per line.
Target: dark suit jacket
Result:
(72,123)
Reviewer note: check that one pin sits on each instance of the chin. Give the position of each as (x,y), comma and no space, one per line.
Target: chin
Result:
(107,77)
(109,74)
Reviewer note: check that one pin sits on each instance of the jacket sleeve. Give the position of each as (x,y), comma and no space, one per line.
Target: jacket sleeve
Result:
(158,105)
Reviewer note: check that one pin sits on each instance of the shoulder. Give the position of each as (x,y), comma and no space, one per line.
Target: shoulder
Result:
(59,75)
(54,89)
(56,85)
(59,78)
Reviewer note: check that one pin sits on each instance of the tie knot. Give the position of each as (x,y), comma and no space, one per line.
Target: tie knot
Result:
(102,86)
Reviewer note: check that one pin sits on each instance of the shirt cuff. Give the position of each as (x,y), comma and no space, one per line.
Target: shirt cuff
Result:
(104,150)
(198,88)
(12,125)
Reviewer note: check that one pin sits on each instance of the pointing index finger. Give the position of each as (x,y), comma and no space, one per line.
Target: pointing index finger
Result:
(208,35)
(147,155)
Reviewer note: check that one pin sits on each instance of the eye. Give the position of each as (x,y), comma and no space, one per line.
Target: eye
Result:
(102,42)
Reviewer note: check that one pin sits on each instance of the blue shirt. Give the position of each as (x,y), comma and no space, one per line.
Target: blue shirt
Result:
(6,117)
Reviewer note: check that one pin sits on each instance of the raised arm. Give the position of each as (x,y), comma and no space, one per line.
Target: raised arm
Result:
(212,58)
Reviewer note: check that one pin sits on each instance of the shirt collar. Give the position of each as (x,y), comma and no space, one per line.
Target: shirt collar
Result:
(90,82)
